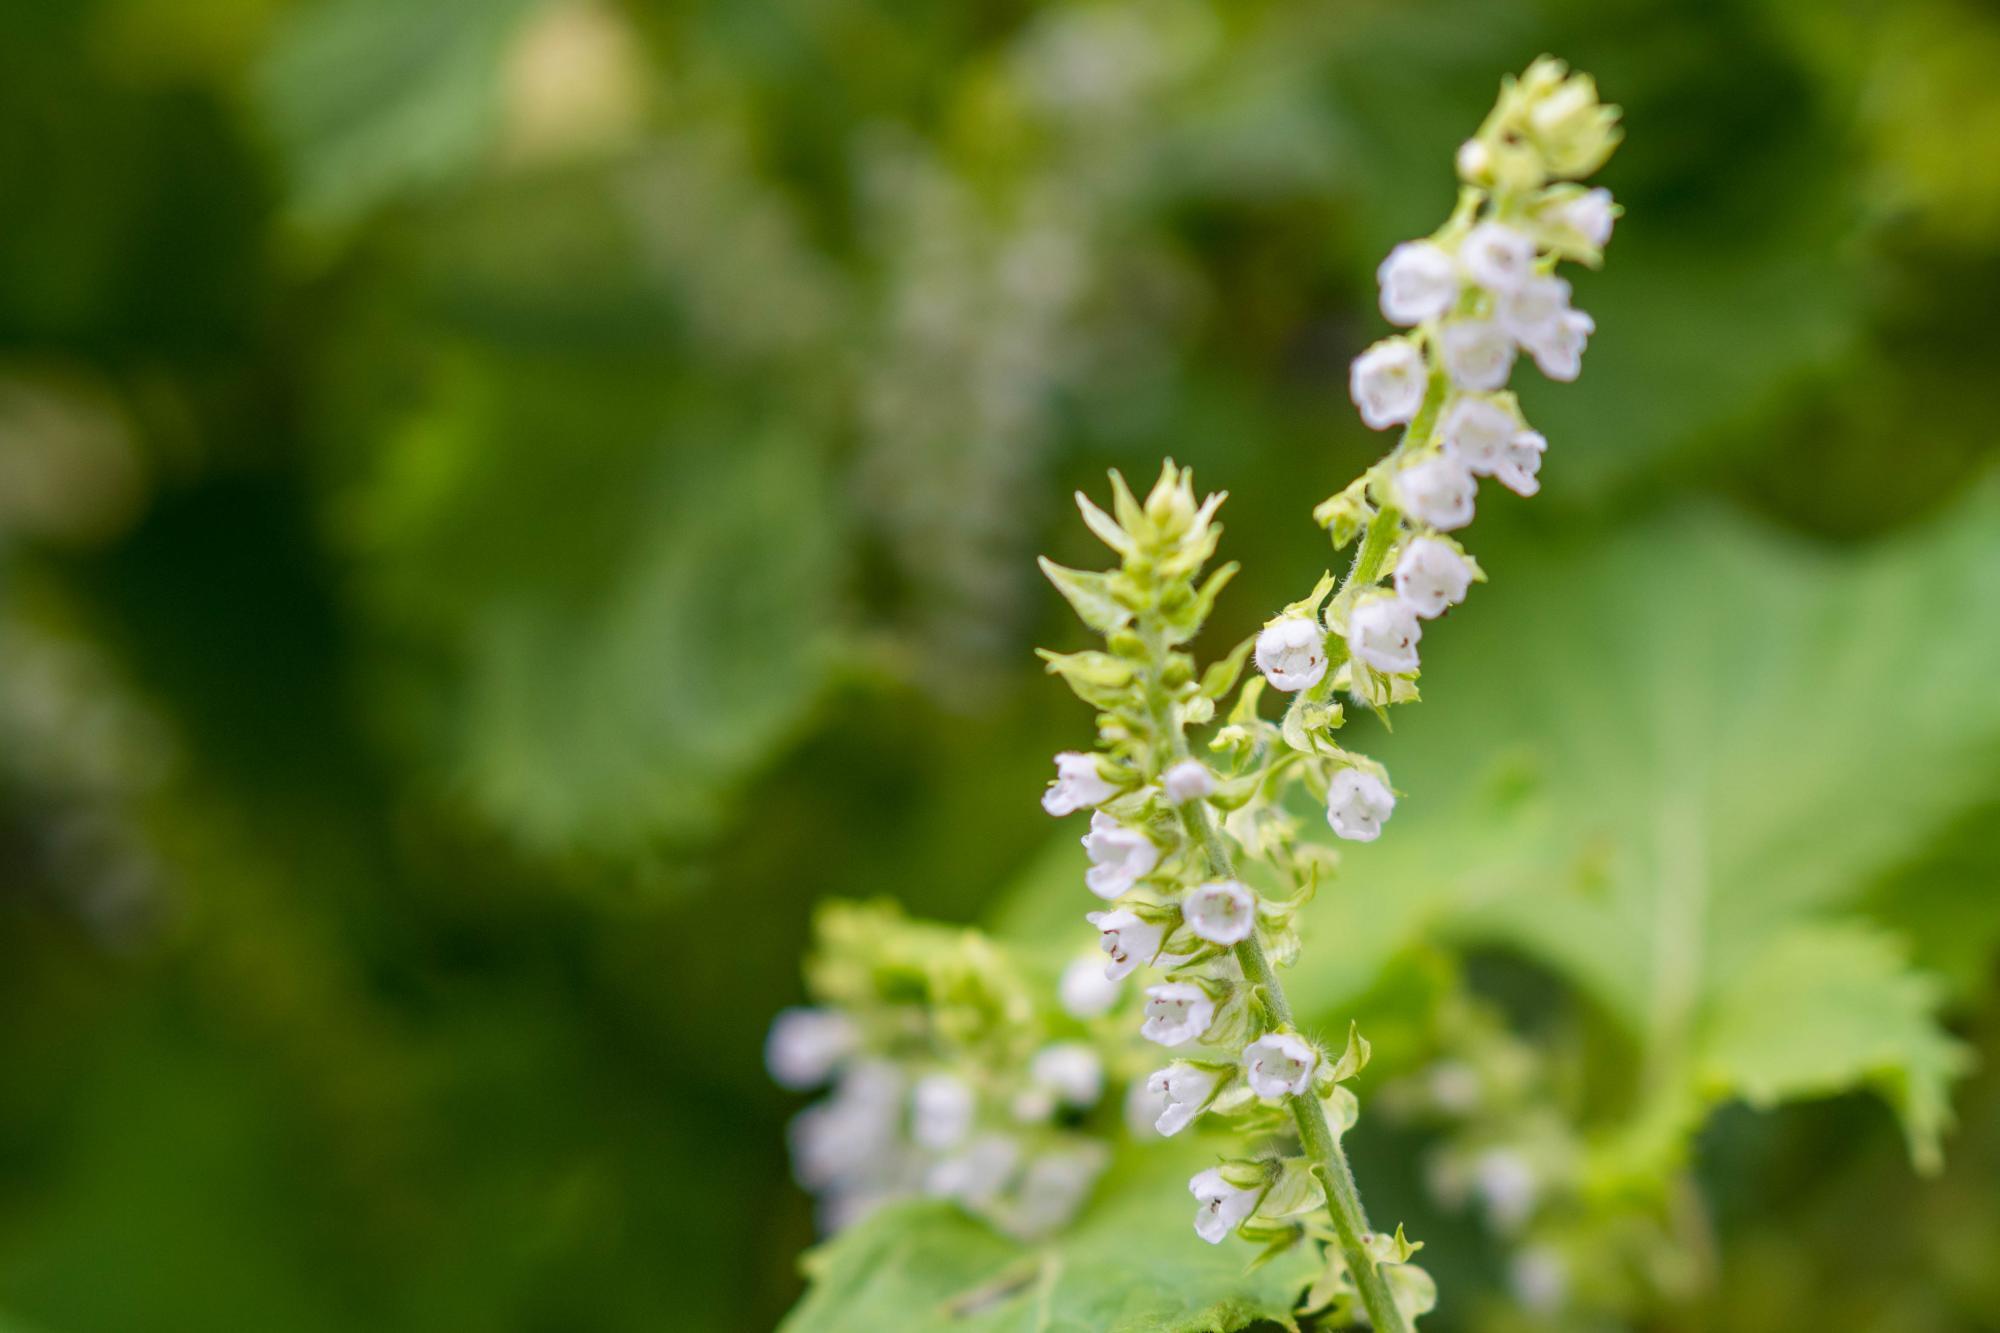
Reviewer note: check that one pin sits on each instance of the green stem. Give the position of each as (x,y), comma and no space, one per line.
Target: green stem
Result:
(1322,1145)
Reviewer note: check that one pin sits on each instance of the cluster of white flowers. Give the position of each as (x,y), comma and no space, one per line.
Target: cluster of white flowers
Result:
(1168,830)
(1473,295)
(976,1097)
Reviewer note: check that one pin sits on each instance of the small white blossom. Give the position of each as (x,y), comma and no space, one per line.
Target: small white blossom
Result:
(1438,491)
(978,1173)
(1520,468)
(1387,382)
(1383,633)
(1507,1185)
(1539,1279)
(1357,804)
(1086,991)
(1291,653)
(1530,312)
(1143,1107)
(1559,352)
(1189,780)
(1224,912)
(1223,1207)
(1078,784)
(1184,1091)
(1454,1087)
(1431,576)
(1177,1012)
(1419,281)
(1127,938)
(1071,1070)
(1475,431)
(941,1108)
(1590,215)
(846,1135)
(1279,1064)
(1477,354)
(1120,857)
(1497,257)
(1473,161)
(1053,1187)
(806,1045)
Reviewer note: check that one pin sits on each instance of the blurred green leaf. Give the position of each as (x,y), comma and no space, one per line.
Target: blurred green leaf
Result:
(1131,1264)
(368,98)
(629,591)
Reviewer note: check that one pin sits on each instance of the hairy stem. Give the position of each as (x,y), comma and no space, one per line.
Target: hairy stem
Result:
(1322,1145)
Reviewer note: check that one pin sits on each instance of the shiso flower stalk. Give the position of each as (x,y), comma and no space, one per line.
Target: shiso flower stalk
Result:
(1202,859)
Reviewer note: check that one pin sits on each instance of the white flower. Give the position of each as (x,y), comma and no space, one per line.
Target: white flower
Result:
(1189,780)
(806,1045)
(849,1133)
(1291,653)
(1357,804)
(1497,257)
(1438,491)
(1119,856)
(1224,912)
(1086,991)
(1387,382)
(1143,1106)
(1477,354)
(1539,1279)
(1128,938)
(1177,1012)
(1279,1064)
(940,1110)
(1559,351)
(1383,633)
(1529,312)
(1590,216)
(1071,1070)
(1454,1087)
(1053,1187)
(976,1174)
(1223,1206)
(1520,467)
(1184,1091)
(1475,431)
(1078,784)
(1418,282)
(1431,576)
(1507,1185)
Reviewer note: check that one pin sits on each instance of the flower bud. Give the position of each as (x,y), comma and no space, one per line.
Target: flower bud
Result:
(1418,281)
(1189,780)
(806,1045)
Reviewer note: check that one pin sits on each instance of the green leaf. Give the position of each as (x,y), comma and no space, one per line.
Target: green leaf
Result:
(1090,593)
(1131,1264)
(1708,752)
(613,601)
(369,98)
(1823,1004)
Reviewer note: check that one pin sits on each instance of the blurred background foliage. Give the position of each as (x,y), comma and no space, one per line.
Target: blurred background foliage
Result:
(506,503)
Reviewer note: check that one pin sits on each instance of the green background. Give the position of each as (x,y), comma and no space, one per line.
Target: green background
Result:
(504,504)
